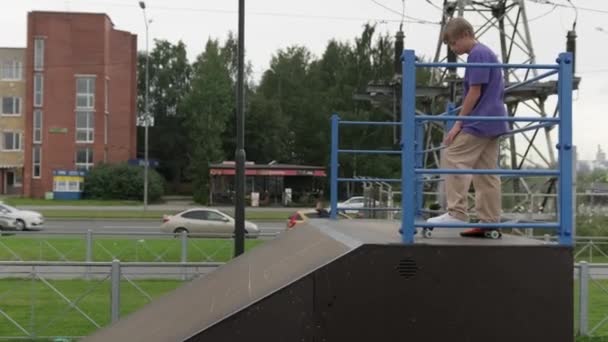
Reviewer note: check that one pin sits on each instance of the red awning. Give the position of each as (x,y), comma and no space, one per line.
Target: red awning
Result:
(268,172)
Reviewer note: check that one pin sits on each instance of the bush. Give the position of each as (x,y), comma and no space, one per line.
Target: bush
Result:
(122,181)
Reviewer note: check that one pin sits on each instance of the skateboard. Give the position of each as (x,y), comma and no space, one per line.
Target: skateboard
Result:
(486,233)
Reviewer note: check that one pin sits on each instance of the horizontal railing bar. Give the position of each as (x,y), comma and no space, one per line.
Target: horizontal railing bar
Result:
(370,209)
(505,172)
(485,118)
(388,180)
(372,123)
(488,65)
(134,234)
(487,225)
(370,151)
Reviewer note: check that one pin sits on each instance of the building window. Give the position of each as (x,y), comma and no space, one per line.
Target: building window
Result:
(85,92)
(11,106)
(37,131)
(36,160)
(84,158)
(11,141)
(18,181)
(85,127)
(11,70)
(38,54)
(73,186)
(60,186)
(38,89)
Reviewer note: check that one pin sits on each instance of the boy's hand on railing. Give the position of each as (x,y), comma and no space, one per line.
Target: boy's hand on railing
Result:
(449,138)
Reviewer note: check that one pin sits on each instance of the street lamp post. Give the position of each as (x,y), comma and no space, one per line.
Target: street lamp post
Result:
(142,5)
(239,210)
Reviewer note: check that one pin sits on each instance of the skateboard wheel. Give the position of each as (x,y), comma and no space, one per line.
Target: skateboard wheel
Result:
(427,233)
(492,234)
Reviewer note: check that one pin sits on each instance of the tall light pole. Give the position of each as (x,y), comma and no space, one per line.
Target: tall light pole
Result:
(142,5)
(239,210)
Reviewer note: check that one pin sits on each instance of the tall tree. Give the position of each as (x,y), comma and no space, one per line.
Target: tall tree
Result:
(207,106)
(170,74)
(229,53)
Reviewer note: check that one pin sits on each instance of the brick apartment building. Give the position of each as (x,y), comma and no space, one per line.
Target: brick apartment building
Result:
(80,102)
(12,120)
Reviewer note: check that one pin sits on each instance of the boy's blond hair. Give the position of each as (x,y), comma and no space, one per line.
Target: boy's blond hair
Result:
(457,28)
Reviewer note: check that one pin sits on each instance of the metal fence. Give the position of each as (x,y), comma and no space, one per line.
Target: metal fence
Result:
(38,297)
(107,246)
(53,300)
(591,299)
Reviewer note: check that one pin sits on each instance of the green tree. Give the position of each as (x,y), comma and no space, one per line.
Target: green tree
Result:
(170,74)
(207,107)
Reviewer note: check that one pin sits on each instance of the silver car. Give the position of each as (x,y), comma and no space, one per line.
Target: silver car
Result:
(7,222)
(204,221)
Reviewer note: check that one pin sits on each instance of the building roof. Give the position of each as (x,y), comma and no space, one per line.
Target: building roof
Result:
(73,13)
(252,169)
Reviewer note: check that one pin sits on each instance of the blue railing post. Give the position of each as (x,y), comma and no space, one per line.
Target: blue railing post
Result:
(419,164)
(408,159)
(564,92)
(333,191)
(450,110)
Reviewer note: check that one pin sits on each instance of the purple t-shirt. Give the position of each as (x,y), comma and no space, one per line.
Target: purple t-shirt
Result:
(491,101)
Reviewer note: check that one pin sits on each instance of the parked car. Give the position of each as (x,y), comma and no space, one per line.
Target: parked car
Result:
(302,216)
(7,222)
(23,219)
(204,220)
(356,202)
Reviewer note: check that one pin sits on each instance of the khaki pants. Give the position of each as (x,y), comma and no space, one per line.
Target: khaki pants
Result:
(470,152)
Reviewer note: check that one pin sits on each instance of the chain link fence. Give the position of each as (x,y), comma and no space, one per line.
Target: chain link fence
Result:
(68,300)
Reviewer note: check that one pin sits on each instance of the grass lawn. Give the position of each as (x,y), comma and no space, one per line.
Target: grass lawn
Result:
(36,307)
(17,201)
(39,310)
(128,250)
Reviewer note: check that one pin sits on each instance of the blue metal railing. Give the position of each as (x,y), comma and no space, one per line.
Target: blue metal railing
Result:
(412,144)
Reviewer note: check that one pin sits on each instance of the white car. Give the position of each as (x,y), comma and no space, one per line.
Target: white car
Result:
(24,219)
(204,220)
(356,202)
(7,222)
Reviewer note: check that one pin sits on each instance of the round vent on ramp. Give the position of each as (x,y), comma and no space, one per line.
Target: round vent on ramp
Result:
(407,268)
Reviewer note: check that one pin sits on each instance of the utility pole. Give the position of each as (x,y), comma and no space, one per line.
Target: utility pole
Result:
(239,210)
(142,5)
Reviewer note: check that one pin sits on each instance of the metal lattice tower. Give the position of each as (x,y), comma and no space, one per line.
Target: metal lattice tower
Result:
(505,21)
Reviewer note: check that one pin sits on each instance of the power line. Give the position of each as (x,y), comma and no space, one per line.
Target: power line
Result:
(414,19)
(544,14)
(433,4)
(271,14)
(575,14)
(587,9)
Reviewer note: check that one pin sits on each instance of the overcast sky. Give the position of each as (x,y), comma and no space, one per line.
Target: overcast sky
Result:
(274,24)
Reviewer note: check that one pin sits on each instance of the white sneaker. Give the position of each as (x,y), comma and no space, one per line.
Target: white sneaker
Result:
(445,218)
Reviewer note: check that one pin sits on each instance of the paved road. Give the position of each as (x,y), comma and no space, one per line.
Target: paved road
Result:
(131,226)
(172,207)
